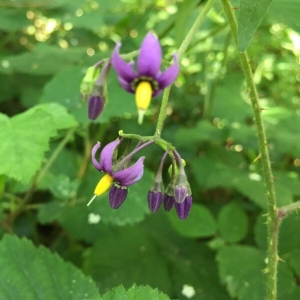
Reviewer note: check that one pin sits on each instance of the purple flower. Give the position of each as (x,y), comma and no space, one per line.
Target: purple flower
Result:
(115,174)
(148,81)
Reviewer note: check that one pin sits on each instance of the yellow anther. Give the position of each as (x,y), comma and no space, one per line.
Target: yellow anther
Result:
(143,95)
(103,185)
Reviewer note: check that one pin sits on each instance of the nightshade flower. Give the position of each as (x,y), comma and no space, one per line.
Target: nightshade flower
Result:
(148,81)
(117,177)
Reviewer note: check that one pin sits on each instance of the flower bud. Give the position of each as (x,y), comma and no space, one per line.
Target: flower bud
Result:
(182,187)
(95,107)
(184,208)
(117,196)
(169,198)
(93,87)
(154,200)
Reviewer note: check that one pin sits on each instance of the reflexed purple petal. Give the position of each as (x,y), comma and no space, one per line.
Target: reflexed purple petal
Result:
(117,196)
(168,76)
(131,174)
(122,68)
(183,209)
(168,202)
(149,59)
(180,192)
(107,155)
(95,108)
(154,200)
(94,160)
(125,85)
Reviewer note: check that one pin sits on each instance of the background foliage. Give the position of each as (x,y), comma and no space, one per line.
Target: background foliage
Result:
(47,178)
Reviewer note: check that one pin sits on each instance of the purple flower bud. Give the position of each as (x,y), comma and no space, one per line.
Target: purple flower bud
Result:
(168,202)
(154,200)
(95,107)
(180,193)
(184,208)
(117,196)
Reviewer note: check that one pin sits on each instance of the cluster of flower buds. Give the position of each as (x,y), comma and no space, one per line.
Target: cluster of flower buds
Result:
(93,88)
(118,175)
(177,193)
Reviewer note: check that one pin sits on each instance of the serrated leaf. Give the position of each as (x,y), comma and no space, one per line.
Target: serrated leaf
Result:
(27,273)
(232,222)
(25,137)
(250,16)
(200,222)
(134,293)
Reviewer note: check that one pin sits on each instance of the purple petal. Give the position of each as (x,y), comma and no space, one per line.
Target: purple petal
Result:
(183,209)
(95,107)
(107,155)
(117,196)
(168,202)
(168,76)
(154,200)
(125,85)
(122,68)
(94,160)
(149,59)
(131,174)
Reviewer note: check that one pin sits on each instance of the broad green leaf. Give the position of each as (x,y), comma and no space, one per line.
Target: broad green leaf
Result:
(286,12)
(64,89)
(154,254)
(134,293)
(232,222)
(43,60)
(200,222)
(241,269)
(50,212)
(203,131)
(25,138)
(250,16)
(229,104)
(28,273)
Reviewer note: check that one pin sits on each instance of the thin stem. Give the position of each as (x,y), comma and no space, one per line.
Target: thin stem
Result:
(272,221)
(287,209)
(184,45)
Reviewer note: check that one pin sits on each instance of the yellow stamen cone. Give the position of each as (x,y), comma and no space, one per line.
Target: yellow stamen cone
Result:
(103,185)
(143,95)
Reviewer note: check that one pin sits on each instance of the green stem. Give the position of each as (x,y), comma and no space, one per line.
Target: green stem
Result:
(287,209)
(184,45)
(272,221)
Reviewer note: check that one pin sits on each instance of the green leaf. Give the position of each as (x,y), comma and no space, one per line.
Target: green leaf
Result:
(229,105)
(241,270)
(232,222)
(250,16)
(286,12)
(200,222)
(43,60)
(28,273)
(64,88)
(25,138)
(134,293)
